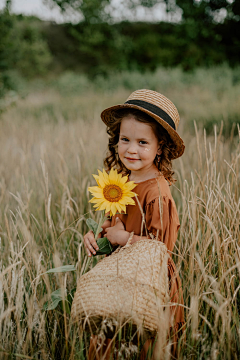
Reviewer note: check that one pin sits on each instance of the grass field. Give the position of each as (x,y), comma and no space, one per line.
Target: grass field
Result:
(51,142)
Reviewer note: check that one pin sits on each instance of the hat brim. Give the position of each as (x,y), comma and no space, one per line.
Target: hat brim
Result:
(108,119)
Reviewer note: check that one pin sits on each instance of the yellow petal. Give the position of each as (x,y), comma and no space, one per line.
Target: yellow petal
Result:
(110,175)
(129,201)
(118,206)
(103,206)
(129,186)
(108,206)
(123,206)
(128,193)
(98,196)
(123,180)
(96,177)
(95,191)
(96,206)
(94,188)
(106,177)
(97,201)
(113,208)
(101,179)
(113,176)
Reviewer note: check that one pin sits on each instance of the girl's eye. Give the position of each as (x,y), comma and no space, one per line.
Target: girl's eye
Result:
(124,139)
(142,142)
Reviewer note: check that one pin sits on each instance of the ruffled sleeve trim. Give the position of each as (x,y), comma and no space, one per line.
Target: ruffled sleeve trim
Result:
(162,220)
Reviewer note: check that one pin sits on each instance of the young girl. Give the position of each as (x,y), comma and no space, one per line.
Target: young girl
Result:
(142,143)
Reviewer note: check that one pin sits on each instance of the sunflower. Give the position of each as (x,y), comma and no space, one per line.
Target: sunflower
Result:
(113,192)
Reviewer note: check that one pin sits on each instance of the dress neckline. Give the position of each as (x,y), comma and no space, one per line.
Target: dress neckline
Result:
(142,182)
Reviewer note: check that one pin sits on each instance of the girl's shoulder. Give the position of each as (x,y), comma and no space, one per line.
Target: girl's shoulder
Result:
(153,188)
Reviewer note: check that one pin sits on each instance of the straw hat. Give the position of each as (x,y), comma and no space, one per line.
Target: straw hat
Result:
(158,107)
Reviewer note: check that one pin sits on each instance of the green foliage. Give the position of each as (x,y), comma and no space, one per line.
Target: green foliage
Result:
(6,26)
(106,47)
(201,38)
(56,297)
(23,54)
(23,46)
(32,55)
(35,48)
(93,225)
(70,83)
(105,247)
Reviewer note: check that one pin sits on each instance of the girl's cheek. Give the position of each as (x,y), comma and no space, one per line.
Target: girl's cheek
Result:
(120,151)
(120,148)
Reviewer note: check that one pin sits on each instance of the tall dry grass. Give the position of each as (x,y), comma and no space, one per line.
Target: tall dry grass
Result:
(45,169)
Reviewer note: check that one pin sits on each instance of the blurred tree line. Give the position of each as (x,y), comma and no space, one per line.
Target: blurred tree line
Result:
(208,34)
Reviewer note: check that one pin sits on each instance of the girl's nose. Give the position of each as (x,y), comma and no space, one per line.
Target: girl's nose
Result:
(132,149)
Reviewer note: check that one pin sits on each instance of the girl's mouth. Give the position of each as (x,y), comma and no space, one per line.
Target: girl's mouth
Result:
(131,159)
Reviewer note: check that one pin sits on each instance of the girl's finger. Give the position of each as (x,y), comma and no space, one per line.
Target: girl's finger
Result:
(93,244)
(90,247)
(87,249)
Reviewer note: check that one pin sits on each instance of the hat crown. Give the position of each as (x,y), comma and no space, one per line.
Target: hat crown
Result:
(159,100)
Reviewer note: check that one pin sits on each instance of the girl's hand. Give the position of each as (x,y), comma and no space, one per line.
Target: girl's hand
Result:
(89,239)
(105,225)
(90,243)
(117,235)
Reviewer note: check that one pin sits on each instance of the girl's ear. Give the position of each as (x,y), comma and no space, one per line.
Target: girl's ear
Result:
(159,151)
(160,145)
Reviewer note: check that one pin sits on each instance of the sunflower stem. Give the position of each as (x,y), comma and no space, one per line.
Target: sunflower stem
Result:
(100,223)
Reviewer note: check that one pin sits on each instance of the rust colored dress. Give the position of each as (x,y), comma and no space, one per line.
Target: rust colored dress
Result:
(152,193)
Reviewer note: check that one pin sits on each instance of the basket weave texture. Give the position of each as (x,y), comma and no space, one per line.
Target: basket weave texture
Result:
(129,285)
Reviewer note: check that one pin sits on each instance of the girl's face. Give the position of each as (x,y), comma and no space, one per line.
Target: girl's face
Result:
(137,146)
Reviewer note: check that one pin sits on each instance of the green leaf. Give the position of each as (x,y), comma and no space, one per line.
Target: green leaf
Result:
(52,304)
(92,225)
(99,229)
(64,268)
(56,297)
(105,247)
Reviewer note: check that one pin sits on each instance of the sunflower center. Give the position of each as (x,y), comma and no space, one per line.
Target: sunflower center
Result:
(112,193)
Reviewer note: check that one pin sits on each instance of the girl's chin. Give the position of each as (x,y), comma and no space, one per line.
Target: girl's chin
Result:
(132,167)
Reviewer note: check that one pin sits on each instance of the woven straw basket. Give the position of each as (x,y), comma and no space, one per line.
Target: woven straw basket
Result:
(129,285)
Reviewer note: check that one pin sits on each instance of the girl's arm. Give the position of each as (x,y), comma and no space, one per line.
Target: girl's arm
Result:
(117,235)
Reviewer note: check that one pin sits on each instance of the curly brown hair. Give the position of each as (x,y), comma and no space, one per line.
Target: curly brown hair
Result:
(167,145)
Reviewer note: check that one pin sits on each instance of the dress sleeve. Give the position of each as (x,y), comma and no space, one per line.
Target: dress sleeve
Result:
(167,227)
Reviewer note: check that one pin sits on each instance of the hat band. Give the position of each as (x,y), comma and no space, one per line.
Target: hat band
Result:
(154,109)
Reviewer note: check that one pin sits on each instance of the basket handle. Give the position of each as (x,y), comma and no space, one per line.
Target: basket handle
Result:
(129,242)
